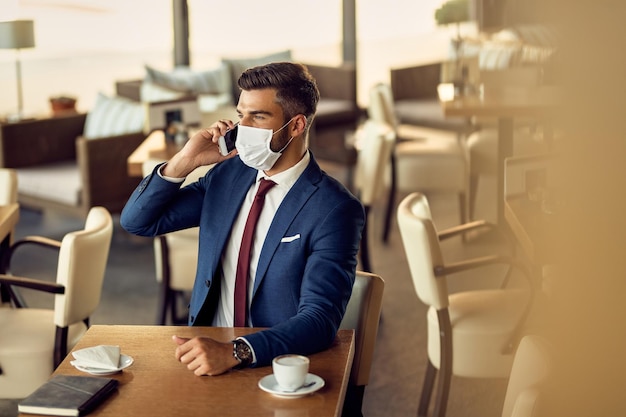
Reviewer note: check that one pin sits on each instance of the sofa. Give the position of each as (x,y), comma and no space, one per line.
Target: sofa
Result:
(63,164)
(217,94)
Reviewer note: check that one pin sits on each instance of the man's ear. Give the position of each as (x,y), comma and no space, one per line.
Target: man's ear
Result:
(299,125)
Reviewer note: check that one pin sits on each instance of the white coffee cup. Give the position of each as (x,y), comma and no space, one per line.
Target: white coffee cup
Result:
(290,371)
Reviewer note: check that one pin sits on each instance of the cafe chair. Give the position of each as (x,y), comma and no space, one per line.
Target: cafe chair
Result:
(531,368)
(8,195)
(362,315)
(374,145)
(176,258)
(34,341)
(471,333)
(8,186)
(423,159)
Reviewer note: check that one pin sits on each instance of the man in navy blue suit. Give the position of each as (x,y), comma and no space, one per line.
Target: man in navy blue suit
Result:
(303,258)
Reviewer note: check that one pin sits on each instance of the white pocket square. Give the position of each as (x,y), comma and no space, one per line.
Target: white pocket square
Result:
(290,238)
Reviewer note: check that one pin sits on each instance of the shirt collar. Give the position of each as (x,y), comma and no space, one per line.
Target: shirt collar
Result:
(288,177)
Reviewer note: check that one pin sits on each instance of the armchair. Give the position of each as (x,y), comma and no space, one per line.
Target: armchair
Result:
(33,341)
(531,369)
(59,168)
(362,315)
(375,144)
(423,159)
(8,191)
(471,333)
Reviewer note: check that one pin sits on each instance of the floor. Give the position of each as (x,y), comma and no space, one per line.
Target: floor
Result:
(129,297)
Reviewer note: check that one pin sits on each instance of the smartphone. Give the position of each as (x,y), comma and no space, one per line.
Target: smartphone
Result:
(227,142)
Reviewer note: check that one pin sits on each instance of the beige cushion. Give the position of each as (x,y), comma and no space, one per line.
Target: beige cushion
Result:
(185,80)
(27,337)
(495,55)
(113,116)
(58,182)
(151,92)
(431,159)
(239,65)
(482,322)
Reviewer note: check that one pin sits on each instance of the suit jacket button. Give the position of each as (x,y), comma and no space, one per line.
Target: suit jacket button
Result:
(207,283)
(193,319)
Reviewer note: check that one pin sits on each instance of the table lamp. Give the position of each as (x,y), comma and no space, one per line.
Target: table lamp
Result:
(17,34)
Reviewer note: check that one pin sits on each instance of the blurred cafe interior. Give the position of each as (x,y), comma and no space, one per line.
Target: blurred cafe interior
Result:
(482,137)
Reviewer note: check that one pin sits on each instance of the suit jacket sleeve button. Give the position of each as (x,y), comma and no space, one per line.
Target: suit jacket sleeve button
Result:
(207,283)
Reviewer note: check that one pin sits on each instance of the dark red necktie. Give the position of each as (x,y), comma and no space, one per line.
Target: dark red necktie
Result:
(243,263)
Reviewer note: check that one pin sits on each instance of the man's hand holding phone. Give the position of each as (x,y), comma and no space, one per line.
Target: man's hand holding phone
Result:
(202,149)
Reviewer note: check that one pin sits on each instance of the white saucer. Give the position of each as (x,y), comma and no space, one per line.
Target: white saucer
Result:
(125,362)
(268,384)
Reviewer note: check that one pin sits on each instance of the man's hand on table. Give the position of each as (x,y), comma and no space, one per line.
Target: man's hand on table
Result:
(205,356)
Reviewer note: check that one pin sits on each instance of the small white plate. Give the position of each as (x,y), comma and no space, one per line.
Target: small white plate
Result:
(268,384)
(125,362)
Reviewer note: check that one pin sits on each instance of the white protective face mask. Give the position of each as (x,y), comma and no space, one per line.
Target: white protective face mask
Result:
(254,146)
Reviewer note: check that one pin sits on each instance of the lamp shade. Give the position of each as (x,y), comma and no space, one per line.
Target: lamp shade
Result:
(17,34)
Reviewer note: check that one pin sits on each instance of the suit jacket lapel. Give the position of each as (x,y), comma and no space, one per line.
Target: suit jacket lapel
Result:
(297,197)
(224,211)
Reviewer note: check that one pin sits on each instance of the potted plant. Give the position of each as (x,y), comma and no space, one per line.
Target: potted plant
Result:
(62,104)
(455,12)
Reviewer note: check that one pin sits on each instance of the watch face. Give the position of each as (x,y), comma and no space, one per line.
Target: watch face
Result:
(242,352)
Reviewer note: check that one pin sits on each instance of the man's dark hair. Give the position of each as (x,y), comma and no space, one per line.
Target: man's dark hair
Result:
(296,89)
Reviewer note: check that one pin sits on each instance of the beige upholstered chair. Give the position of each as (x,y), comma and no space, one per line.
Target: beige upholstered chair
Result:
(424,159)
(470,333)
(176,257)
(362,315)
(375,143)
(8,195)
(33,341)
(8,186)
(531,367)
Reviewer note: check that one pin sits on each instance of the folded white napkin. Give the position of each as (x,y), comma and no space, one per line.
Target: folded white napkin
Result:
(102,357)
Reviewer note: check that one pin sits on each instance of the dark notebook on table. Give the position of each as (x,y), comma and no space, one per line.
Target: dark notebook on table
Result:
(68,395)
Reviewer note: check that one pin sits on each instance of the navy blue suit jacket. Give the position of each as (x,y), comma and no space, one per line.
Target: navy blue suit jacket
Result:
(302,285)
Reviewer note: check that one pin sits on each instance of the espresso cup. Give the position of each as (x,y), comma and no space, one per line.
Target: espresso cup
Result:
(290,371)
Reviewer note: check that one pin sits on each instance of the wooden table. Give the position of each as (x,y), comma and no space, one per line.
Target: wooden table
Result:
(506,105)
(9,216)
(156,384)
(153,147)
